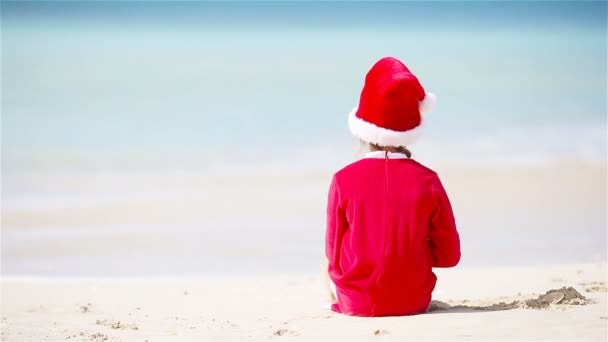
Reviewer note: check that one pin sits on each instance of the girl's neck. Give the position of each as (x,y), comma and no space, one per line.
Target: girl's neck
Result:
(392,149)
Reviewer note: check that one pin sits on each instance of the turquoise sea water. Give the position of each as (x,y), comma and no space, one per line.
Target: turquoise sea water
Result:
(158,90)
(512,78)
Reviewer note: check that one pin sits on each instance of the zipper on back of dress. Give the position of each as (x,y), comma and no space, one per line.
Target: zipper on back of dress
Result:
(386,203)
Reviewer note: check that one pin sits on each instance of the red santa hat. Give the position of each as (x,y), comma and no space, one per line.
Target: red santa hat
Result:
(391,106)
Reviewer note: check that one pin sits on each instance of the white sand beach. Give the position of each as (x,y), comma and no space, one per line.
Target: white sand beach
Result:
(278,307)
(175,265)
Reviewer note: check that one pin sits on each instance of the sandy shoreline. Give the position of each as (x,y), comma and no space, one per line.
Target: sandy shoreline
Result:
(275,307)
(129,224)
(189,197)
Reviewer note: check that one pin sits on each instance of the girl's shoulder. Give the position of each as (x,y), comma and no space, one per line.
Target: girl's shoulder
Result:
(367,166)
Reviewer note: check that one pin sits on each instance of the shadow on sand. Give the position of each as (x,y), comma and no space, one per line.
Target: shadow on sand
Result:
(563,296)
(442,307)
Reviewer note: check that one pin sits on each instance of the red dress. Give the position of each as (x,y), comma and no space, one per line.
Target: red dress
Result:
(389,221)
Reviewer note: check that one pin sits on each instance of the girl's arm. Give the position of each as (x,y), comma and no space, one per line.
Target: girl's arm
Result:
(443,236)
(336,225)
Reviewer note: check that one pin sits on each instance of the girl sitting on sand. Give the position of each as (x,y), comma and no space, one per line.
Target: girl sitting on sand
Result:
(389,220)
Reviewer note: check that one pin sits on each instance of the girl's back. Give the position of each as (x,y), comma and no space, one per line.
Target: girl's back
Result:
(384,209)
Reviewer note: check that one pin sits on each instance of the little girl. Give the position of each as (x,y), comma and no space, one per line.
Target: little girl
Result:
(389,220)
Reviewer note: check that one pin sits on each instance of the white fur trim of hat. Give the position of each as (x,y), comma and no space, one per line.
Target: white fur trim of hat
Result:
(385,137)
